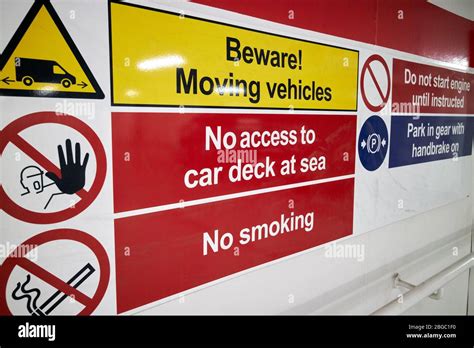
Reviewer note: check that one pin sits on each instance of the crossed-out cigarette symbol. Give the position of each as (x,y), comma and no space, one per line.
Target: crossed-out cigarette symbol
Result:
(32,295)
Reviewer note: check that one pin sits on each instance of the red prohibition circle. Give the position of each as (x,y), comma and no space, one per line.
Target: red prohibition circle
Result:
(50,236)
(365,68)
(10,134)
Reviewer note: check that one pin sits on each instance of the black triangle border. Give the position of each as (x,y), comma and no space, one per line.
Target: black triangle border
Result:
(15,40)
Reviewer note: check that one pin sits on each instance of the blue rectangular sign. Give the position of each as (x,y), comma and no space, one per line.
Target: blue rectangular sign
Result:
(419,139)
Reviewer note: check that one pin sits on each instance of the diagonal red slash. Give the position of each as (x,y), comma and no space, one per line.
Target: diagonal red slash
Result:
(38,157)
(371,72)
(52,280)
(13,131)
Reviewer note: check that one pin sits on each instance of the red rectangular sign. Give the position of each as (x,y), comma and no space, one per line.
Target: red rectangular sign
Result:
(162,158)
(164,253)
(420,88)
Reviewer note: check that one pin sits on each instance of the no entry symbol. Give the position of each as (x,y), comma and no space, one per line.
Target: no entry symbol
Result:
(379,78)
(66,177)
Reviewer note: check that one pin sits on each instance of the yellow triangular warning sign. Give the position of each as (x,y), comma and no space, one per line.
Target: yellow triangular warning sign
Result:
(41,60)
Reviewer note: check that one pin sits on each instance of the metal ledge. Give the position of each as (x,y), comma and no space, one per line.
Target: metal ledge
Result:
(430,287)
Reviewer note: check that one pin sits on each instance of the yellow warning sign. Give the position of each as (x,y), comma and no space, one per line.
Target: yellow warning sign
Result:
(166,59)
(42,60)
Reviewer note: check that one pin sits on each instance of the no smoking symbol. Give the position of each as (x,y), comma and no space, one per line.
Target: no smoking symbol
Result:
(376,73)
(19,258)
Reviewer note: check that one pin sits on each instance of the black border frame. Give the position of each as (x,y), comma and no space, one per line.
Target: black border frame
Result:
(18,36)
(113,103)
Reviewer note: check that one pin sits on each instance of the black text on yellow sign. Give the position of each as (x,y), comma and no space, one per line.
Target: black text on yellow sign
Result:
(167,59)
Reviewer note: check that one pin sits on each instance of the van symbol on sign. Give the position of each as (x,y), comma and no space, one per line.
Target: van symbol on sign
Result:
(29,70)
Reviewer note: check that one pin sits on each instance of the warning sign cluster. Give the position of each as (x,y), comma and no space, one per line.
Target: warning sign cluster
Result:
(56,167)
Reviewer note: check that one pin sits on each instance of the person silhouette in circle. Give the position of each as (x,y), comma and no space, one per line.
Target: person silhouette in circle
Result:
(73,174)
